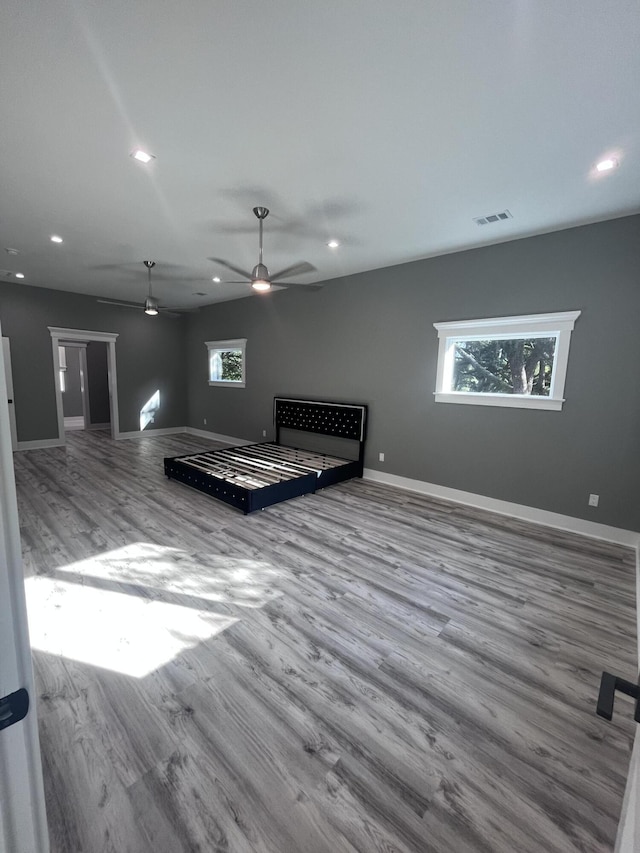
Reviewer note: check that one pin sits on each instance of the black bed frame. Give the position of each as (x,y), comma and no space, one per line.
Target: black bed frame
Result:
(342,420)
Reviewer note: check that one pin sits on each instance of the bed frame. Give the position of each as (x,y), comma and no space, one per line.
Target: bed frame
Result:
(254,476)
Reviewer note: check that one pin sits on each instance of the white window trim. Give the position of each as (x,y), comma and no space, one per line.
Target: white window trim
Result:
(234,343)
(558,325)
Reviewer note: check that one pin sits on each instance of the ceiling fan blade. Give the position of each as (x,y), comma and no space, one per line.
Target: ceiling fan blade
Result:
(295,269)
(300,285)
(231,267)
(136,305)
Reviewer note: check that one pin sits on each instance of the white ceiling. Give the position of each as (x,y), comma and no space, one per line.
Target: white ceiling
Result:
(388,124)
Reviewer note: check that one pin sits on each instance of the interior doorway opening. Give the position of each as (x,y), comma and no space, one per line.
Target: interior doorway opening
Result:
(84,384)
(84,364)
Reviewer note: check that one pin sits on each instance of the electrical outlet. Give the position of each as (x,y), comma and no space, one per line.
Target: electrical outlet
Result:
(204,421)
(264,433)
(593,500)
(381,457)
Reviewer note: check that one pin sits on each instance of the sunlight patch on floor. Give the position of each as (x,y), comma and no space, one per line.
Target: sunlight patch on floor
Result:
(112,630)
(161,569)
(136,608)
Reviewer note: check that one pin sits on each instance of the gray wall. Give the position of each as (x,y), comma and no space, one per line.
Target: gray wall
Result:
(369,338)
(149,354)
(98,382)
(72,394)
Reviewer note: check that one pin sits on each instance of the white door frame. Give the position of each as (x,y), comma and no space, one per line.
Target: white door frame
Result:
(59,334)
(23,820)
(6,347)
(84,385)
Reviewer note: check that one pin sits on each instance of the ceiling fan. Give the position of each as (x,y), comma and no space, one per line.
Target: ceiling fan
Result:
(259,278)
(150,305)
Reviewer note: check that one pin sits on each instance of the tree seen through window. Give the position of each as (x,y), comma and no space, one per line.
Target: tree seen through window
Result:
(226,365)
(514,366)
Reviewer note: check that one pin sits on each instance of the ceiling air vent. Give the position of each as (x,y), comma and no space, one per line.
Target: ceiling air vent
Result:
(493,217)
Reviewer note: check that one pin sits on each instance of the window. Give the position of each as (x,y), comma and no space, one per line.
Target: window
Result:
(505,361)
(227,362)
(62,355)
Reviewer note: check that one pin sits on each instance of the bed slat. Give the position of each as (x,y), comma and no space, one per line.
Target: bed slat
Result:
(255,476)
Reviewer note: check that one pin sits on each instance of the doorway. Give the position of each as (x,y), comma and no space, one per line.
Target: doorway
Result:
(72,379)
(95,406)
(23,822)
(8,375)
(84,384)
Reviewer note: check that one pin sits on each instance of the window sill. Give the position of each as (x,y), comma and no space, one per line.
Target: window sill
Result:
(227,383)
(511,401)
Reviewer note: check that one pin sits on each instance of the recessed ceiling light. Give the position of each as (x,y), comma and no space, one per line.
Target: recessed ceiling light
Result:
(142,156)
(607,165)
(55,239)
(333,244)
(19,275)
(217,279)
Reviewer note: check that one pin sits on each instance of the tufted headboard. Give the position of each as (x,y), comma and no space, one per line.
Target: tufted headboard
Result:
(344,420)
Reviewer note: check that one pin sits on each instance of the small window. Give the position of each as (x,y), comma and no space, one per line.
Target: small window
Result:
(227,362)
(505,361)
(62,357)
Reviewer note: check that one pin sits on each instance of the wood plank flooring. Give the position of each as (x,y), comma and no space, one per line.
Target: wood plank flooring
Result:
(363,669)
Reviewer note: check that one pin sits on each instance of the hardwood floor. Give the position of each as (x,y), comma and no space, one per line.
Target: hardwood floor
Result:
(363,669)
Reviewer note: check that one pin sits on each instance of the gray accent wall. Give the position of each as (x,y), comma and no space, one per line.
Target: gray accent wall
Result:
(370,339)
(149,354)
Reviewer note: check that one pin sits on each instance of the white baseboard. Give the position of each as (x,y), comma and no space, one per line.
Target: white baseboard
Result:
(99,426)
(40,444)
(76,422)
(203,433)
(140,433)
(592,529)
(216,436)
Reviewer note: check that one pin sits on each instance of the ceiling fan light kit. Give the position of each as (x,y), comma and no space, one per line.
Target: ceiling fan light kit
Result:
(150,306)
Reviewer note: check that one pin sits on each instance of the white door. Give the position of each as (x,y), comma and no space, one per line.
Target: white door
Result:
(629,829)
(23,826)
(8,375)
